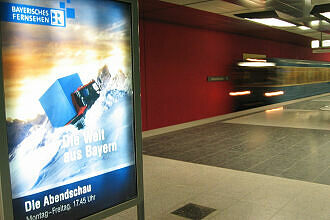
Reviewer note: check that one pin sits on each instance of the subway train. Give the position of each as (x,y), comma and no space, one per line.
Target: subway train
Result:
(259,82)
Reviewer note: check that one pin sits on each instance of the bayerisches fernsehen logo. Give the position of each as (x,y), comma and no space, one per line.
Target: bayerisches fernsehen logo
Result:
(28,14)
(57,17)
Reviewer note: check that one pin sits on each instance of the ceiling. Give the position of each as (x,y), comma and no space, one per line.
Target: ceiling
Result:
(220,15)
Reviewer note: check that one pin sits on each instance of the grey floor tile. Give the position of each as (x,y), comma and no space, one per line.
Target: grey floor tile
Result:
(274,166)
(214,147)
(306,170)
(324,177)
(315,139)
(290,140)
(318,155)
(193,154)
(230,142)
(260,155)
(295,153)
(176,149)
(207,140)
(268,151)
(244,148)
(218,159)
(241,163)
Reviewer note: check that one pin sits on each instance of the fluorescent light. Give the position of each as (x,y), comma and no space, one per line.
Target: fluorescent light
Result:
(326,43)
(315,23)
(272,22)
(270,18)
(256,64)
(318,22)
(326,14)
(240,93)
(315,43)
(255,60)
(304,28)
(277,93)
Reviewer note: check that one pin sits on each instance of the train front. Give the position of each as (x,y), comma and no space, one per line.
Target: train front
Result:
(256,83)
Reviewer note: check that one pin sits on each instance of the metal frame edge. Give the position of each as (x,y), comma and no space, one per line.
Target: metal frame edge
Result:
(6,203)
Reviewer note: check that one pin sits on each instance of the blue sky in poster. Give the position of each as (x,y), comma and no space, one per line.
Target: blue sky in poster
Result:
(37,55)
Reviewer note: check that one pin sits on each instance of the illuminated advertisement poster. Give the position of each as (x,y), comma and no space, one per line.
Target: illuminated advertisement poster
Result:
(67,70)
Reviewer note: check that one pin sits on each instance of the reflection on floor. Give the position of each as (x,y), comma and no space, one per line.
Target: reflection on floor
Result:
(292,141)
(307,114)
(171,184)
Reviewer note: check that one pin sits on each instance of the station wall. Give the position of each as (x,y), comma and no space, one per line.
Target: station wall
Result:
(175,63)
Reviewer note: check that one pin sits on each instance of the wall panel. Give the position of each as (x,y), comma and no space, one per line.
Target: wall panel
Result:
(175,63)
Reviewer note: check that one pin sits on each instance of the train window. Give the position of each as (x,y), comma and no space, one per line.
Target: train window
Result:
(266,75)
(279,75)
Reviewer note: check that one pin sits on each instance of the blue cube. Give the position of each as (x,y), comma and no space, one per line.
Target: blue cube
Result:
(62,4)
(70,13)
(57,101)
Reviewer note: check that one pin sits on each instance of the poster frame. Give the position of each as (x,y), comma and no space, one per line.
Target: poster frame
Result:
(5,186)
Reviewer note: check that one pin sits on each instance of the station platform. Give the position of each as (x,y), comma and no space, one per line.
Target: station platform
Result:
(269,163)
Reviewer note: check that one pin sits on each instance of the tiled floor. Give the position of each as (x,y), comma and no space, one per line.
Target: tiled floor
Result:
(267,165)
(288,152)
(171,184)
(304,116)
(292,142)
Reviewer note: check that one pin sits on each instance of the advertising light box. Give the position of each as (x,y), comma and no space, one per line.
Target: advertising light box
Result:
(67,69)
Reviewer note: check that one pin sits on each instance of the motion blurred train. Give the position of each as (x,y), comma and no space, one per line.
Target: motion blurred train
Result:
(259,82)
